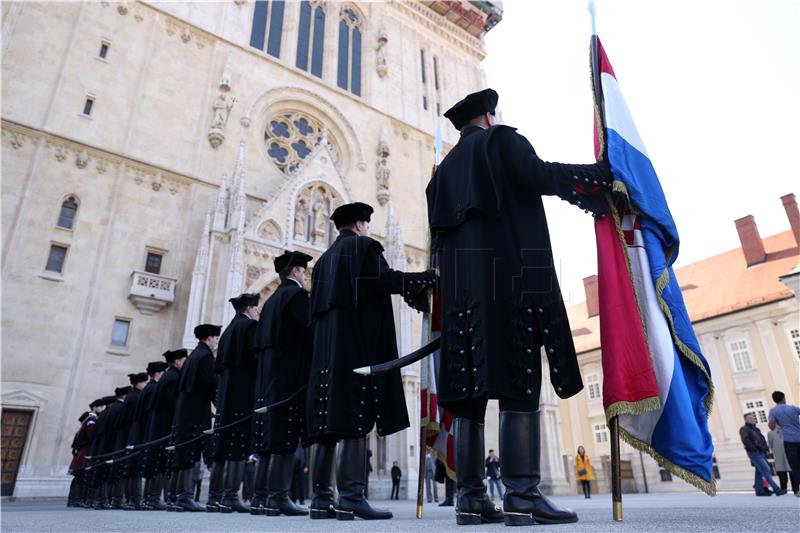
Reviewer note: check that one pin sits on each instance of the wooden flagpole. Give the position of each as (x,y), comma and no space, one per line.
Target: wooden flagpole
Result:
(616,481)
(421,476)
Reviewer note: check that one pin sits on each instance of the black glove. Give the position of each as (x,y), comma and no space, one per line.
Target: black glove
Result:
(415,289)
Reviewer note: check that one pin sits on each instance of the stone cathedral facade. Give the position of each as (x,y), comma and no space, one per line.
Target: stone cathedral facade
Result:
(156,157)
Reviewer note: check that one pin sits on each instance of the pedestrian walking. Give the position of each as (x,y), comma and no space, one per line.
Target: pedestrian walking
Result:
(492,464)
(756,447)
(584,472)
(430,478)
(788,418)
(396,475)
(781,464)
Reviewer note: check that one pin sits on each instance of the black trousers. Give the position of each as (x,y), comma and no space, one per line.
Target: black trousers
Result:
(587,488)
(792,450)
(395,490)
(475,408)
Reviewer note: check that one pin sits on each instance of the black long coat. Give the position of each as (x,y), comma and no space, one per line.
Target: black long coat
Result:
(122,428)
(104,441)
(500,296)
(197,390)
(138,429)
(159,423)
(283,340)
(353,326)
(236,365)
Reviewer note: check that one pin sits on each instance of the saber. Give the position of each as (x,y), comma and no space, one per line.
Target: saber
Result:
(130,448)
(124,458)
(221,428)
(272,407)
(406,360)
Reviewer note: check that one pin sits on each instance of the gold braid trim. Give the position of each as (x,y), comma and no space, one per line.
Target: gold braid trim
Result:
(601,134)
(709,488)
(450,473)
(687,352)
(632,408)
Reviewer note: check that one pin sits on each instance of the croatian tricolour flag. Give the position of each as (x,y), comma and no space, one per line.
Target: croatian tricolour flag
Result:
(655,377)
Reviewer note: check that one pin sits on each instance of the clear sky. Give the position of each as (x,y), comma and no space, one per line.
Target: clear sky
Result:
(713,86)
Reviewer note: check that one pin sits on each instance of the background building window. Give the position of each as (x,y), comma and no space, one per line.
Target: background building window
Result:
(273,11)
(424,73)
(56,257)
(153,263)
(740,353)
(349,67)
(119,335)
(666,475)
(311,30)
(794,336)
(600,433)
(103,50)
(66,217)
(593,386)
(758,408)
(88,105)
(291,136)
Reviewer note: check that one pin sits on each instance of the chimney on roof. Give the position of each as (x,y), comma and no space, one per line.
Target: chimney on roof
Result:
(752,246)
(792,213)
(592,301)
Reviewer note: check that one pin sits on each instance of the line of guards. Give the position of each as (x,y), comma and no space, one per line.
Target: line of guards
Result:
(293,363)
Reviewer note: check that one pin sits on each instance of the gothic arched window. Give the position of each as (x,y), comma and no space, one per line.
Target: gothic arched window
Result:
(291,136)
(311,30)
(272,11)
(69,209)
(349,68)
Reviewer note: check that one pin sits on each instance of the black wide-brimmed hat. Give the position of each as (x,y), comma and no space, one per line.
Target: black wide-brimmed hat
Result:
(291,259)
(137,377)
(97,403)
(122,391)
(245,300)
(471,106)
(351,213)
(204,331)
(156,366)
(172,355)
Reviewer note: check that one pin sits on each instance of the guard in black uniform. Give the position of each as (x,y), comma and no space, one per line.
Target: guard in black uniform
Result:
(501,301)
(113,422)
(79,492)
(97,468)
(236,365)
(138,429)
(283,341)
(159,425)
(132,491)
(197,390)
(353,326)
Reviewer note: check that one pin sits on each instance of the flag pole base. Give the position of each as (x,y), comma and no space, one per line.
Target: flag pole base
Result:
(617,511)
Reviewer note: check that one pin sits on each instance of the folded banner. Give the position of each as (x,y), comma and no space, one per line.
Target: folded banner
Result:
(655,377)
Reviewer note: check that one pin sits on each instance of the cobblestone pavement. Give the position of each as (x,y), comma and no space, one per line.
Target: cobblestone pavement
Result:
(729,512)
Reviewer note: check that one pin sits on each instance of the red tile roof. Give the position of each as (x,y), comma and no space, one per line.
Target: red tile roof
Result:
(715,286)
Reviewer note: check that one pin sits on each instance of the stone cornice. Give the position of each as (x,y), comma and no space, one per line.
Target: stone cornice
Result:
(435,22)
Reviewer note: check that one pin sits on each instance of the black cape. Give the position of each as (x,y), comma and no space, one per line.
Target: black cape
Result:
(283,340)
(197,390)
(236,365)
(353,326)
(500,296)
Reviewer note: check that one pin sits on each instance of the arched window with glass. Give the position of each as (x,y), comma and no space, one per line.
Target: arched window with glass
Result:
(268,13)
(311,37)
(68,212)
(348,74)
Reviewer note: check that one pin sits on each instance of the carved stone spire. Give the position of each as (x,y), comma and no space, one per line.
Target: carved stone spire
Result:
(220,205)
(198,287)
(382,172)
(236,223)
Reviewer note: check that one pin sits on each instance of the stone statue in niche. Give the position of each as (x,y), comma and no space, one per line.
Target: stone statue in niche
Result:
(382,172)
(380,54)
(222,110)
(300,214)
(320,221)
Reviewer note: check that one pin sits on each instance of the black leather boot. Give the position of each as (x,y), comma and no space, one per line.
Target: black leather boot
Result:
(155,487)
(449,489)
(234,472)
(473,505)
(215,487)
(185,501)
(322,503)
(279,482)
(524,505)
(258,504)
(172,492)
(351,474)
(135,493)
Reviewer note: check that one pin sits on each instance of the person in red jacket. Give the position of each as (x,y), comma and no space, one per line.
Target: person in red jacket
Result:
(81,444)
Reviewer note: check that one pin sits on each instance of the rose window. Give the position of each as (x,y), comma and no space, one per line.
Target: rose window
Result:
(291,136)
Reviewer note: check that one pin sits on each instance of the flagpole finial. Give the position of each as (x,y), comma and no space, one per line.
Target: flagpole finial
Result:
(592,14)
